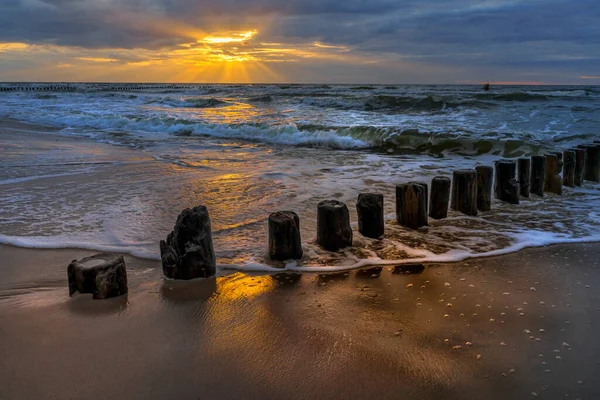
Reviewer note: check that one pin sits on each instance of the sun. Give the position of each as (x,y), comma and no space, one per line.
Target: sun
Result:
(229,37)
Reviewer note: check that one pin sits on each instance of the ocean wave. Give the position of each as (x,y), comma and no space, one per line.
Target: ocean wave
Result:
(188,102)
(513,96)
(261,99)
(204,103)
(128,129)
(419,104)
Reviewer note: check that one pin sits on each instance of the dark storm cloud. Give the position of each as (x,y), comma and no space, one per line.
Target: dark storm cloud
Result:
(565,32)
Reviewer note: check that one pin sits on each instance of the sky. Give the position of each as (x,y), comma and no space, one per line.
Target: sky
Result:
(301,41)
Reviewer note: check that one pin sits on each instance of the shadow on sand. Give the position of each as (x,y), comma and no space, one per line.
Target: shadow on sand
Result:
(84,304)
(175,291)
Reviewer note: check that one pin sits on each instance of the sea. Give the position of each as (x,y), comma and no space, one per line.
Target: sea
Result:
(109,167)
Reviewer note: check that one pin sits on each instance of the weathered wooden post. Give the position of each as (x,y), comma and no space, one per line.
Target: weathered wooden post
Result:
(333,225)
(524,171)
(506,187)
(569,168)
(538,175)
(284,236)
(559,158)
(426,188)
(485,179)
(440,196)
(580,158)
(104,275)
(188,251)
(553,181)
(411,204)
(592,166)
(369,208)
(464,191)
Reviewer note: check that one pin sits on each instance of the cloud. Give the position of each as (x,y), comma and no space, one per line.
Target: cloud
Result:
(553,38)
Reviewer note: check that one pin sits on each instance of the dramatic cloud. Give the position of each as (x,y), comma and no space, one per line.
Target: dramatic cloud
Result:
(556,41)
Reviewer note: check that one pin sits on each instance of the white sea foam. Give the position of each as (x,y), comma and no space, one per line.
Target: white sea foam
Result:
(149,251)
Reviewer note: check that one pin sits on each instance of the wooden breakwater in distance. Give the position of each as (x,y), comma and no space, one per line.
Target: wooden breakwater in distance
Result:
(94,87)
(188,253)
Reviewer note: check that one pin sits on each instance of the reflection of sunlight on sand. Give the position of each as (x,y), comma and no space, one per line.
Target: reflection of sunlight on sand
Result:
(240,286)
(262,342)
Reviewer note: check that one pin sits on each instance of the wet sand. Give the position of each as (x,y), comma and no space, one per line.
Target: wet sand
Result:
(518,326)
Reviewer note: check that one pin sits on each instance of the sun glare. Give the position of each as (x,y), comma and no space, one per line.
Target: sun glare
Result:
(231,37)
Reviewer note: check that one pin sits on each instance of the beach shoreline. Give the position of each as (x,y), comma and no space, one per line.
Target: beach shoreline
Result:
(455,331)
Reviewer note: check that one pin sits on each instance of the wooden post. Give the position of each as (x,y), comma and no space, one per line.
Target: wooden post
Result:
(369,208)
(411,205)
(464,191)
(188,251)
(553,181)
(592,166)
(569,168)
(104,275)
(580,158)
(284,236)
(506,187)
(426,188)
(559,158)
(538,175)
(524,171)
(440,196)
(485,178)
(333,225)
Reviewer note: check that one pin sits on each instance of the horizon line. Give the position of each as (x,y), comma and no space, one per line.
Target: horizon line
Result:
(499,83)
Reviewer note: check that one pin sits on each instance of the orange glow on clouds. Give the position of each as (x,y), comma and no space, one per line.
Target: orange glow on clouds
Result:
(219,57)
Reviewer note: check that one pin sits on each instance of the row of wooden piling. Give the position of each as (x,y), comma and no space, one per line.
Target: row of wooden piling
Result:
(469,192)
(56,88)
(71,88)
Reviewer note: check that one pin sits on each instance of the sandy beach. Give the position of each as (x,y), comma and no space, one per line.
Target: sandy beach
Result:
(518,326)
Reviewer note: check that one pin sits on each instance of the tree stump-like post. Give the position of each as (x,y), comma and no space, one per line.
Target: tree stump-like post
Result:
(485,179)
(440,197)
(104,275)
(188,251)
(333,225)
(284,236)
(524,174)
(592,166)
(411,204)
(569,168)
(538,175)
(580,158)
(464,191)
(506,187)
(369,208)
(553,181)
